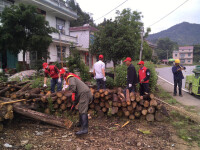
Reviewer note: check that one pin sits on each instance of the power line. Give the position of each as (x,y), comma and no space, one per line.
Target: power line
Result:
(169,13)
(111,10)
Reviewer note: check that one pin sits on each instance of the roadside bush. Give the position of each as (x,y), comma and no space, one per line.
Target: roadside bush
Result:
(121,75)
(3,78)
(153,76)
(109,82)
(84,72)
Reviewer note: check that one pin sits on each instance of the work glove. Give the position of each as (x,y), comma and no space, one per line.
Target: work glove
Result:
(73,101)
(44,85)
(129,85)
(59,80)
(104,79)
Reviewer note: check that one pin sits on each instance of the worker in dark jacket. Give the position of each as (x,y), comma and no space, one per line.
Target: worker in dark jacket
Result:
(131,75)
(143,77)
(178,76)
(80,94)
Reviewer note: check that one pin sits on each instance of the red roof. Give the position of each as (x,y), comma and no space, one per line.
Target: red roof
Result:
(186,47)
(83,28)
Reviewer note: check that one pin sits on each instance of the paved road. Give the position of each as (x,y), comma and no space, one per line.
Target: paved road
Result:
(167,75)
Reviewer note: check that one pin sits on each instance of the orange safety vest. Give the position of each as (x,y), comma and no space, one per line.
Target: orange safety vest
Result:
(142,74)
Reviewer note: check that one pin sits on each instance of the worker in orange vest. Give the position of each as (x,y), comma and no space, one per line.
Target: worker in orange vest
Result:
(143,77)
(54,73)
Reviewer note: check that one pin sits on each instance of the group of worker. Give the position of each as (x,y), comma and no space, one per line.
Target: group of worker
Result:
(81,93)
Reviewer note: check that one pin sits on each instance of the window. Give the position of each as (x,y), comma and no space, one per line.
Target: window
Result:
(182,61)
(189,54)
(60,25)
(175,55)
(182,55)
(188,60)
(42,12)
(59,52)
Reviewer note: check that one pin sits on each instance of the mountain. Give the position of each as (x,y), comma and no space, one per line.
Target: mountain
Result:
(184,34)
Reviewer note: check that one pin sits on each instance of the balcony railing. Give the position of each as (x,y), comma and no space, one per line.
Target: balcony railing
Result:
(64,38)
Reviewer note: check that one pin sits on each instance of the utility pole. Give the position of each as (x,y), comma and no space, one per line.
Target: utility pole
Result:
(167,56)
(141,49)
(60,28)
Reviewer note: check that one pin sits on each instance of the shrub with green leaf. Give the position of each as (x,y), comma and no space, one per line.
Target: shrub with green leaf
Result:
(109,82)
(121,74)
(74,63)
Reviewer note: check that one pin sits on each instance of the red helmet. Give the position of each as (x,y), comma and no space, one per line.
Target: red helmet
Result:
(45,65)
(62,71)
(100,56)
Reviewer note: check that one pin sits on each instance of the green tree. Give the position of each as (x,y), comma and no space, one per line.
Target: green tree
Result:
(164,46)
(119,38)
(24,29)
(196,53)
(84,18)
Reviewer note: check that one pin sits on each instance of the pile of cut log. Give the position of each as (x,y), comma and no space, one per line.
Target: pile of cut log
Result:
(106,102)
(122,103)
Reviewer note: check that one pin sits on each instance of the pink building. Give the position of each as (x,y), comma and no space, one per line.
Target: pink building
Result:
(185,54)
(84,35)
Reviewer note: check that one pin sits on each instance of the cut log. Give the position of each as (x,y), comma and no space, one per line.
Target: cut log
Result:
(96,101)
(47,111)
(146,104)
(4,90)
(141,102)
(159,116)
(134,104)
(57,121)
(107,105)
(59,94)
(63,107)
(137,114)
(119,104)
(115,98)
(102,104)
(59,101)
(97,108)
(150,117)
(69,104)
(153,103)
(114,110)
(97,95)
(107,92)
(102,95)
(101,91)
(120,113)
(128,96)
(23,88)
(104,109)
(144,112)
(22,83)
(115,104)
(138,108)
(127,113)
(131,117)
(124,104)
(130,108)
(63,98)
(92,106)
(132,96)
(100,114)
(151,109)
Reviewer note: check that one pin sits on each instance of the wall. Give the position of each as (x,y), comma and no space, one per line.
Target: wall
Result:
(83,38)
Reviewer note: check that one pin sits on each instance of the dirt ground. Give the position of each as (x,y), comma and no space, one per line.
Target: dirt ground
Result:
(104,134)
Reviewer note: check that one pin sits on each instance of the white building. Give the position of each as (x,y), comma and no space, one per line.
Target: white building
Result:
(85,37)
(59,16)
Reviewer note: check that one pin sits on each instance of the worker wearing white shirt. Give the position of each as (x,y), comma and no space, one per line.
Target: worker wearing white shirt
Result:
(99,73)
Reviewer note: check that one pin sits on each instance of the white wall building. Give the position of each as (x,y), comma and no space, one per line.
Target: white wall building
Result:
(59,16)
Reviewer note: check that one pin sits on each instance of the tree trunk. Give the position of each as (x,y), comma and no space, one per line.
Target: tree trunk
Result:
(24,63)
(60,122)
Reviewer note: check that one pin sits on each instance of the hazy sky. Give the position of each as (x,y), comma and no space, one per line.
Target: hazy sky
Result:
(152,11)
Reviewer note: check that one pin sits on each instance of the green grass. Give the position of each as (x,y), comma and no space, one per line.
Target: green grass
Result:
(172,101)
(185,128)
(161,66)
